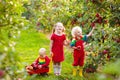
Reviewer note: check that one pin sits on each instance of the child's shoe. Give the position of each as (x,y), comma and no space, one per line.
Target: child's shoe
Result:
(80,72)
(74,72)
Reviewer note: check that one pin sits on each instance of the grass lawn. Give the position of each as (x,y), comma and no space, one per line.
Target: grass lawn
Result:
(27,48)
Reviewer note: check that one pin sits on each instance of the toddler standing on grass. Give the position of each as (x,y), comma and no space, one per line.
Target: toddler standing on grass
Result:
(58,39)
(78,45)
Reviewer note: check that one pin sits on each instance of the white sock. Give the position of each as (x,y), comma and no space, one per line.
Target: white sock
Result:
(55,69)
(59,69)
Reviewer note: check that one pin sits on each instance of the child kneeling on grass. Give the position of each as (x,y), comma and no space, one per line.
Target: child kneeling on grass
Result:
(40,66)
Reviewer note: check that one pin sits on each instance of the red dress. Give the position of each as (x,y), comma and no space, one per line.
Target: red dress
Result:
(57,47)
(79,55)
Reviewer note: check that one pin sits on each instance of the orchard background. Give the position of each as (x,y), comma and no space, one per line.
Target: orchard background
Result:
(25,26)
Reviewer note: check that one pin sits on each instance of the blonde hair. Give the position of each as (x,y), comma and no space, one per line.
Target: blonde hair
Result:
(60,24)
(74,29)
(42,50)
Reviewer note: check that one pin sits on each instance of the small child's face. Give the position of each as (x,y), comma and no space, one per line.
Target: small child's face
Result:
(78,33)
(42,54)
(59,28)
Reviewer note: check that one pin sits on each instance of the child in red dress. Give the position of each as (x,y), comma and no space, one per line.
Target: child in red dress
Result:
(78,45)
(40,66)
(58,39)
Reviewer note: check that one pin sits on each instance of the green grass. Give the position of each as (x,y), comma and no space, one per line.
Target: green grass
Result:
(29,44)
(27,48)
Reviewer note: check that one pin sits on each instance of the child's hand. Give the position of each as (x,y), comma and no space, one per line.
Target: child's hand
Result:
(29,67)
(34,64)
(39,66)
(74,47)
(79,47)
(94,27)
(51,54)
(67,42)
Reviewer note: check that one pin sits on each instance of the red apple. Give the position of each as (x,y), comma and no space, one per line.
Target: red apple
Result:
(105,52)
(79,47)
(92,24)
(99,20)
(98,15)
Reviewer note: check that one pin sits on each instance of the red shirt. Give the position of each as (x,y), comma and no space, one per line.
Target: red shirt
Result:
(57,47)
(47,61)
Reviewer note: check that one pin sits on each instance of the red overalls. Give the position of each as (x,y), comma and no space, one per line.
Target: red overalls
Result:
(79,55)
